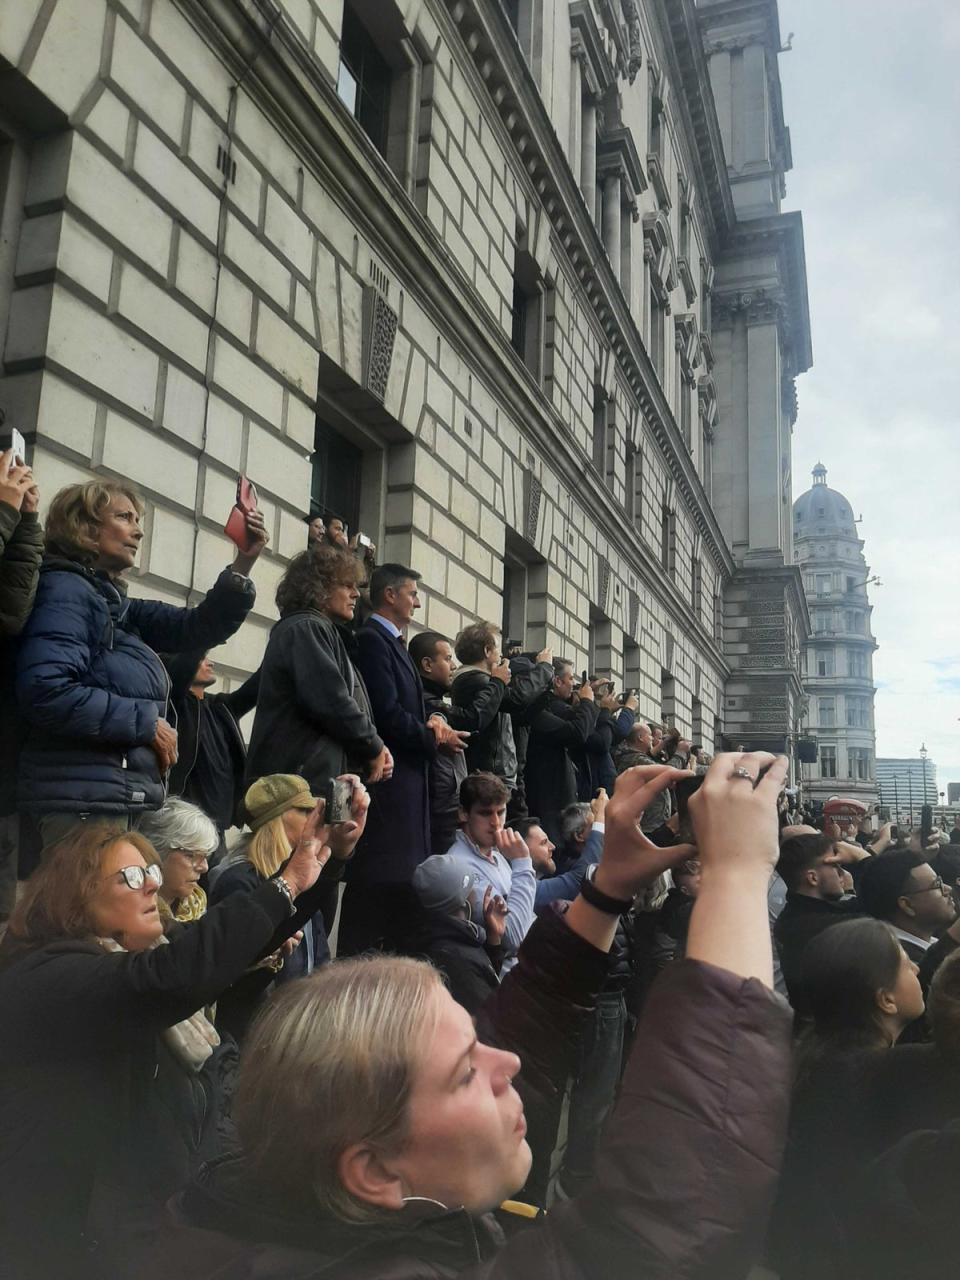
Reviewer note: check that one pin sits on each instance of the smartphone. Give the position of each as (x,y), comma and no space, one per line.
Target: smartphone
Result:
(246,504)
(894,833)
(363,541)
(874,823)
(13,439)
(337,795)
(584,678)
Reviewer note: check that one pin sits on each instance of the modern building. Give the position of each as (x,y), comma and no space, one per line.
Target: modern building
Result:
(838,673)
(906,784)
(505,282)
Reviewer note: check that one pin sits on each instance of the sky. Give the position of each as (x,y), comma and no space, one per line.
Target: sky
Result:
(872,97)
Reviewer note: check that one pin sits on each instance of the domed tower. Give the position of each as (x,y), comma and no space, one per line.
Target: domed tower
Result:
(838,675)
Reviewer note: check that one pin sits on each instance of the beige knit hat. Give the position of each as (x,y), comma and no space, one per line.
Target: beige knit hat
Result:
(269,797)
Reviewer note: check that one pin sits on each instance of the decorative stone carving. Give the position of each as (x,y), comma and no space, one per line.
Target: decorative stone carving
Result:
(603,583)
(379,334)
(532,494)
(634,41)
(658,252)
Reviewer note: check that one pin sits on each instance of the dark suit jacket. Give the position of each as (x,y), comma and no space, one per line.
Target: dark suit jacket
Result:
(550,776)
(397,838)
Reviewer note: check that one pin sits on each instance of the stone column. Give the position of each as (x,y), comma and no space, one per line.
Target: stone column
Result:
(612,198)
(763,436)
(576,117)
(588,157)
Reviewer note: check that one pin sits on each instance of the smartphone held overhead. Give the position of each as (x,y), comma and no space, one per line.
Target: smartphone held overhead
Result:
(245,505)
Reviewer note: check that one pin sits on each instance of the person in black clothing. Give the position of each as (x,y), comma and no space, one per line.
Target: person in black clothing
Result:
(446,933)
(811,869)
(102,1038)
(432,655)
(493,749)
(211,751)
(905,891)
(565,721)
(946,864)
(861,991)
(594,760)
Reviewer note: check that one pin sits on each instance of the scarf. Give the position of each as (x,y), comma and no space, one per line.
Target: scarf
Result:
(191,1041)
(191,908)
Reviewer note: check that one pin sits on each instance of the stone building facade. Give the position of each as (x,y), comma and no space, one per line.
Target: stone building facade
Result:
(838,675)
(504,281)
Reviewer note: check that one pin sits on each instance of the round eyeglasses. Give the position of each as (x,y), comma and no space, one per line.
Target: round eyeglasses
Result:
(135,877)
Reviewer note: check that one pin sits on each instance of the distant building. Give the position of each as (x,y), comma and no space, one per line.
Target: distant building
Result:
(953,793)
(904,785)
(838,670)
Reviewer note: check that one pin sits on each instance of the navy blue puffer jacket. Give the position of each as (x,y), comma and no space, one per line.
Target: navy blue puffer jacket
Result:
(91,688)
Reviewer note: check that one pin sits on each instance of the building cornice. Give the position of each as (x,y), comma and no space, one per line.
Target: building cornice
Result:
(289,84)
(688,66)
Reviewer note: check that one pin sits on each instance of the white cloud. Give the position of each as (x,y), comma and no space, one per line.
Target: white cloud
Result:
(871,99)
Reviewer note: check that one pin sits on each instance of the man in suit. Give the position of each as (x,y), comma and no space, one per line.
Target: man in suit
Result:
(377,901)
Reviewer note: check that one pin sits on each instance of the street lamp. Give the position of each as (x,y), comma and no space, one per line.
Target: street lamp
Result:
(923,765)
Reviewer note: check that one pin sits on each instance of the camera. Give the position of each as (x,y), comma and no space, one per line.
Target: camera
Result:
(13,439)
(337,795)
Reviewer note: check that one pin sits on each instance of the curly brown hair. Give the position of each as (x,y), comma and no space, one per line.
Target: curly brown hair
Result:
(312,575)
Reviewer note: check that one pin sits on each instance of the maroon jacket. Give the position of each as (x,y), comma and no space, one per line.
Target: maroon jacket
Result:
(684,1181)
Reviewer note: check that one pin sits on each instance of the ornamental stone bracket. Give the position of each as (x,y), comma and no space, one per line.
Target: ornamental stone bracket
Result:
(658,181)
(687,342)
(708,402)
(687,280)
(617,152)
(634,39)
(659,254)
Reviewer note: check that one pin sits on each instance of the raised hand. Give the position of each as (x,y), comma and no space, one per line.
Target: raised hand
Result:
(344,836)
(310,855)
(512,844)
(630,861)
(495,912)
(258,536)
(545,655)
(16,480)
(735,817)
(501,672)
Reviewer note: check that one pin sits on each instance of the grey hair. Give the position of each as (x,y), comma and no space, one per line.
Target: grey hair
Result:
(179,825)
(573,820)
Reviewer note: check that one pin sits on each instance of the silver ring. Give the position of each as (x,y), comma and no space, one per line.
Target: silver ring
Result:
(743,773)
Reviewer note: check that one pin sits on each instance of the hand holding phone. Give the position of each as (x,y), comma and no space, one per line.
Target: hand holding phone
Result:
(236,526)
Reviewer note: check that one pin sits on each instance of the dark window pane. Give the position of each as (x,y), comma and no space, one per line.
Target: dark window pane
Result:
(337,470)
(364,76)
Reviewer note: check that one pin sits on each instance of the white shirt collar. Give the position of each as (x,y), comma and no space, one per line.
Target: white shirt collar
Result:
(912,937)
(387,625)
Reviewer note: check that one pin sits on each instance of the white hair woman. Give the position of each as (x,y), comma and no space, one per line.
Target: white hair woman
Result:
(380,1127)
(184,839)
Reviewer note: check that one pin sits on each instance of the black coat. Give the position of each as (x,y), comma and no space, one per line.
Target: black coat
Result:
(455,948)
(446,771)
(85,1081)
(684,1176)
(551,780)
(397,838)
(801,919)
(478,697)
(313,716)
(221,714)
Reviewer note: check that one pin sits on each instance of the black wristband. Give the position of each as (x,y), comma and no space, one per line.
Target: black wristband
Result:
(602,901)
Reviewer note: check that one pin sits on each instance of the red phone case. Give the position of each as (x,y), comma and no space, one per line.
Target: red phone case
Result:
(246,504)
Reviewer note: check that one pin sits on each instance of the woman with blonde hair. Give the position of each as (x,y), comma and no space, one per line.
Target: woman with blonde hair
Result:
(381,1129)
(102,1043)
(278,807)
(92,693)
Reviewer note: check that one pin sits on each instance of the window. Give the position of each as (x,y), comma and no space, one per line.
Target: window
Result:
(827,713)
(337,469)
(526,322)
(686,429)
(858,664)
(853,621)
(823,584)
(656,124)
(696,583)
(851,585)
(824,662)
(858,713)
(822,621)
(828,762)
(634,487)
(860,763)
(657,323)
(668,540)
(718,618)
(601,412)
(363,81)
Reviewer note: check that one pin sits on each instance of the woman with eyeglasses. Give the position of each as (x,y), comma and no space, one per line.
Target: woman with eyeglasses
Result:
(861,990)
(101,1032)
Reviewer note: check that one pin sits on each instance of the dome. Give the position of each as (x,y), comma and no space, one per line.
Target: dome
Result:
(821,510)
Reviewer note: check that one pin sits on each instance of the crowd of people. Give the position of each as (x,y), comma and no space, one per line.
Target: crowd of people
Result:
(460,967)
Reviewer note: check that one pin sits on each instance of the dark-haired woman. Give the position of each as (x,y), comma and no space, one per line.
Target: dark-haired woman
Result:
(102,1034)
(313,717)
(861,991)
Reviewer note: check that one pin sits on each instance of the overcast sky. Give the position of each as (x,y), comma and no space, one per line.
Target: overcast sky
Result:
(871,97)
